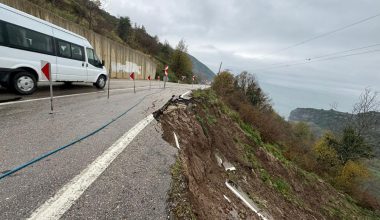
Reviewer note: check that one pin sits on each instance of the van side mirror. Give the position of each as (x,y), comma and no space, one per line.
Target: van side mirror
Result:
(103,63)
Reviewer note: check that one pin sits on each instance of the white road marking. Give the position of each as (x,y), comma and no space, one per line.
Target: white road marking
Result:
(185,94)
(56,206)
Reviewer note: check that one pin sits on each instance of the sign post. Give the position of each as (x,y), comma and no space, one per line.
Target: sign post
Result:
(46,70)
(150,83)
(166,75)
(109,74)
(132,75)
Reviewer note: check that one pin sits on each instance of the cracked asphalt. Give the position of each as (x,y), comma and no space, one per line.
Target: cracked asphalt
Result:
(134,186)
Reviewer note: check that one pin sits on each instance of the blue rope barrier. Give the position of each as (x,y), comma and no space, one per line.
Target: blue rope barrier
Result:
(35,160)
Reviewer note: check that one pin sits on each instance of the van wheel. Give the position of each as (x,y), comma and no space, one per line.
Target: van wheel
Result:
(24,83)
(101,82)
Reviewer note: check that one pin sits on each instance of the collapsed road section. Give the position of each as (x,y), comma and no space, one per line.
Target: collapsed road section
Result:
(225,171)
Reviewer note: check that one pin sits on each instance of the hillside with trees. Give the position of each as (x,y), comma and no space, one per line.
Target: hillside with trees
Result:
(343,157)
(281,167)
(90,14)
(349,145)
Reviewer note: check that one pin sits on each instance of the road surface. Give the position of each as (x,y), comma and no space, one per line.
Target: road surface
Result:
(132,186)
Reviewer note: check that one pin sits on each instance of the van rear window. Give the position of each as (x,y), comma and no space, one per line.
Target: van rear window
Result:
(23,38)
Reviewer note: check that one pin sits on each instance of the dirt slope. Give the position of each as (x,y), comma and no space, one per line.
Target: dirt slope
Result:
(205,128)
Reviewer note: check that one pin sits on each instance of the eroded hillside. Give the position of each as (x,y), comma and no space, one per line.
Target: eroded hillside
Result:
(209,133)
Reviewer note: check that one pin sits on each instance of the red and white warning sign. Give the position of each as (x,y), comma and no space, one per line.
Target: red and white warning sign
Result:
(46,69)
(132,75)
(149,77)
(166,70)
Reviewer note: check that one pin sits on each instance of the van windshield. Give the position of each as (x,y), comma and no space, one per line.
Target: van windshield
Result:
(92,58)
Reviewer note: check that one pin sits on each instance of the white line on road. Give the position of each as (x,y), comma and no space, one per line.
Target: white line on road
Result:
(56,206)
(185,94)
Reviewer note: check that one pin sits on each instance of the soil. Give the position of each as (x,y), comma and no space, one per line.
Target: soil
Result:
(279,188)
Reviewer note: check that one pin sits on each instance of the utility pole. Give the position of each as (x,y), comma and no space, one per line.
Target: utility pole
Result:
(220,67)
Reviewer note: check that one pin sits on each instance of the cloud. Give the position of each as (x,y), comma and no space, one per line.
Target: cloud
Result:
(248,34)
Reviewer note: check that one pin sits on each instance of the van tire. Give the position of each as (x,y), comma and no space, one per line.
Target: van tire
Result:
(24,83)
(101,82)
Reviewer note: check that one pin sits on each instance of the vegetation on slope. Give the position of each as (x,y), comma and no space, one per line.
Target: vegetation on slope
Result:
(334,123)
(337,159)
(207,125)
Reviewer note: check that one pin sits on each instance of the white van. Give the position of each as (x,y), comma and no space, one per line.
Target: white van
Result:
(26,40)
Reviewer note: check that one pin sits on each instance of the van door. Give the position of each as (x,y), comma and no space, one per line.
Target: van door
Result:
(70,62)
(94,66)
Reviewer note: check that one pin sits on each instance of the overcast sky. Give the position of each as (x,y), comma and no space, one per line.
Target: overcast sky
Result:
(248,34)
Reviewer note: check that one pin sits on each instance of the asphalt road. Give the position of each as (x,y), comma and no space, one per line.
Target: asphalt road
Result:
(62,89)
(134,186)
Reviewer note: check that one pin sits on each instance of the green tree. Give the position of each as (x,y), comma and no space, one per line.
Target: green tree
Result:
(249,86)
(180,62)
(166,51)
(124,28)
(326,155)
(352,146)
(92,6)
(223,83)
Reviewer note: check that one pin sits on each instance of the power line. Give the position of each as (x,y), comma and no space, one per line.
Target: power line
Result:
(319,60)
(322,56)
(326,34)
(345,51)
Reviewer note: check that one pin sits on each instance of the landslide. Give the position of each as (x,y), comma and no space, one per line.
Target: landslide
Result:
(206,127)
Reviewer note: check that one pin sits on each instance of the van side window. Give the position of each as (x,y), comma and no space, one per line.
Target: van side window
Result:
(64,49)
(1,33)
(29,40)
(77,52)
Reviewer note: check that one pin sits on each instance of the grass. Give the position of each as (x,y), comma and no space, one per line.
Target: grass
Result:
(181,207)
(374,167)
(203,124)
(282,187)
(252,134)
(276,152)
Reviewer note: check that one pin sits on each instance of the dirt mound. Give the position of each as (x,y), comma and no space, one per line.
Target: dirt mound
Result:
(210,133)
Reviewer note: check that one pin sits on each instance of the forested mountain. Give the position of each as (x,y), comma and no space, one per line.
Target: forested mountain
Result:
(201,70)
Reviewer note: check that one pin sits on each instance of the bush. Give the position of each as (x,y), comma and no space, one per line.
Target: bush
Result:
(351,175)
(326,156)
(223,84)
